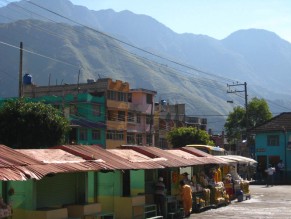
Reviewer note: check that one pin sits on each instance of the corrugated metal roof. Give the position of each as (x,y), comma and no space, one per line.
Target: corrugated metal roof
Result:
(7,174)
(207,158)
(51,155)
(39,171)
(192,159)
(95,152)
(141,161)
(171,160)
(11,162)
(58,161)
(11,157)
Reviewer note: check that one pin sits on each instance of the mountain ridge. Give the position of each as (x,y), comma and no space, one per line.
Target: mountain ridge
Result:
(180,81)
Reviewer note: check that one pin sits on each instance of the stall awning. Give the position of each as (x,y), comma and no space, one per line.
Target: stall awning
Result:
(238,159)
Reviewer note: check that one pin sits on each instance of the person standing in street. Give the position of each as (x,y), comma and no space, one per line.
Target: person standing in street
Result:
(270,175)
(160,196)
(186,197)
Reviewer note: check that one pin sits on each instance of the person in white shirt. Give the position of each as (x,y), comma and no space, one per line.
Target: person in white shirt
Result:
(270,175)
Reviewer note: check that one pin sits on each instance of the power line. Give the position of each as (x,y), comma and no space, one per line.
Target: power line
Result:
(125,43)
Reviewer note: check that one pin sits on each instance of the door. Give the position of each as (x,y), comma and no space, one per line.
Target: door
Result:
(261,167)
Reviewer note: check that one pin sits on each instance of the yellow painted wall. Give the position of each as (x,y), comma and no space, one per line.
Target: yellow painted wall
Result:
(126,207)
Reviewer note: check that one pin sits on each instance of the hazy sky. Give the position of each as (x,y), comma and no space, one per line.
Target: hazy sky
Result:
(215,18)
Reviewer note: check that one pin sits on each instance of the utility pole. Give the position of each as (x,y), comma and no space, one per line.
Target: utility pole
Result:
(246,101)
(20,71)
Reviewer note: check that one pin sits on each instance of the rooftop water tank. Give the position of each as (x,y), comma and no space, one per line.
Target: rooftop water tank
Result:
(27,79)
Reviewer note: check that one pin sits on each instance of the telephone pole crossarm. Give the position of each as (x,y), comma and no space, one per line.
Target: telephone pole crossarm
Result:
(246,102)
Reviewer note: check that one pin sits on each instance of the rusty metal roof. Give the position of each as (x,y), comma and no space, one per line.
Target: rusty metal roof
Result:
(94,152)
(13,174)
(10,157)
(51,155)
(140,160)
(36,163)
(192,159)
(57,161)
(170,160)
(207,158)
(11,162)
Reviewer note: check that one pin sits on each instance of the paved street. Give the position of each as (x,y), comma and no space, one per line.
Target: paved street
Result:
(266,202)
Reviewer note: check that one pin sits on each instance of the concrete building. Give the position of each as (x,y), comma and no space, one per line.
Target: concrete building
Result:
(127,112)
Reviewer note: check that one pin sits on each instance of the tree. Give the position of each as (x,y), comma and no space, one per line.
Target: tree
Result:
(31,125)
(258,113)
(180,137)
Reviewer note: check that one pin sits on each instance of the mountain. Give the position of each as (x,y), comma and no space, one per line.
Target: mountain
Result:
(202,66)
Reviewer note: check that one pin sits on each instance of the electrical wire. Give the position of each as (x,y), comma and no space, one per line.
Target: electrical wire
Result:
(173,61)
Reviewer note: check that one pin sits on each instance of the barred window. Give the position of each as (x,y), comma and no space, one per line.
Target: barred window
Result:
(130,117)
(121,96)
(83,135)
(115,135)
(148,119)
(149,139)
(130,138)
(139,139)
(96,110)
(96,134)
(273,140)
(111,95)
(121,116)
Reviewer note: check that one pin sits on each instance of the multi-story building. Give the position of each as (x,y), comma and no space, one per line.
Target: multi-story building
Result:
(127,113)
(86,114)
(140,126)
(169,116)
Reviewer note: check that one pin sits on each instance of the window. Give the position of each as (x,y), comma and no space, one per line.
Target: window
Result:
(121,116)
(149,99)
(273,140)
(148,119)
(96,134)
(119,135)
(83,134)
(111,115)
(139,139)
(115,135)
(111,95)
(130,138)
(149,139)
(138,118)
(130,117)
(129,97)
(121,96)
(96,110)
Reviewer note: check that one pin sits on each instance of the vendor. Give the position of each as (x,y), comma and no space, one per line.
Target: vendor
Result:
(186,179)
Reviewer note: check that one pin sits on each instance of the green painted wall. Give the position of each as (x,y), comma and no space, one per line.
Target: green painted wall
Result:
(84,110)
(137,181)
(24,196)
(91,187)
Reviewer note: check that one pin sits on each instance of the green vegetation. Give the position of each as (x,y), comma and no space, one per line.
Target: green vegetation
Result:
(31,125)
(258,113)
(180,137)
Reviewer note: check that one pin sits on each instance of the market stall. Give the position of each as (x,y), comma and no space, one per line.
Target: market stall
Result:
(237,179)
